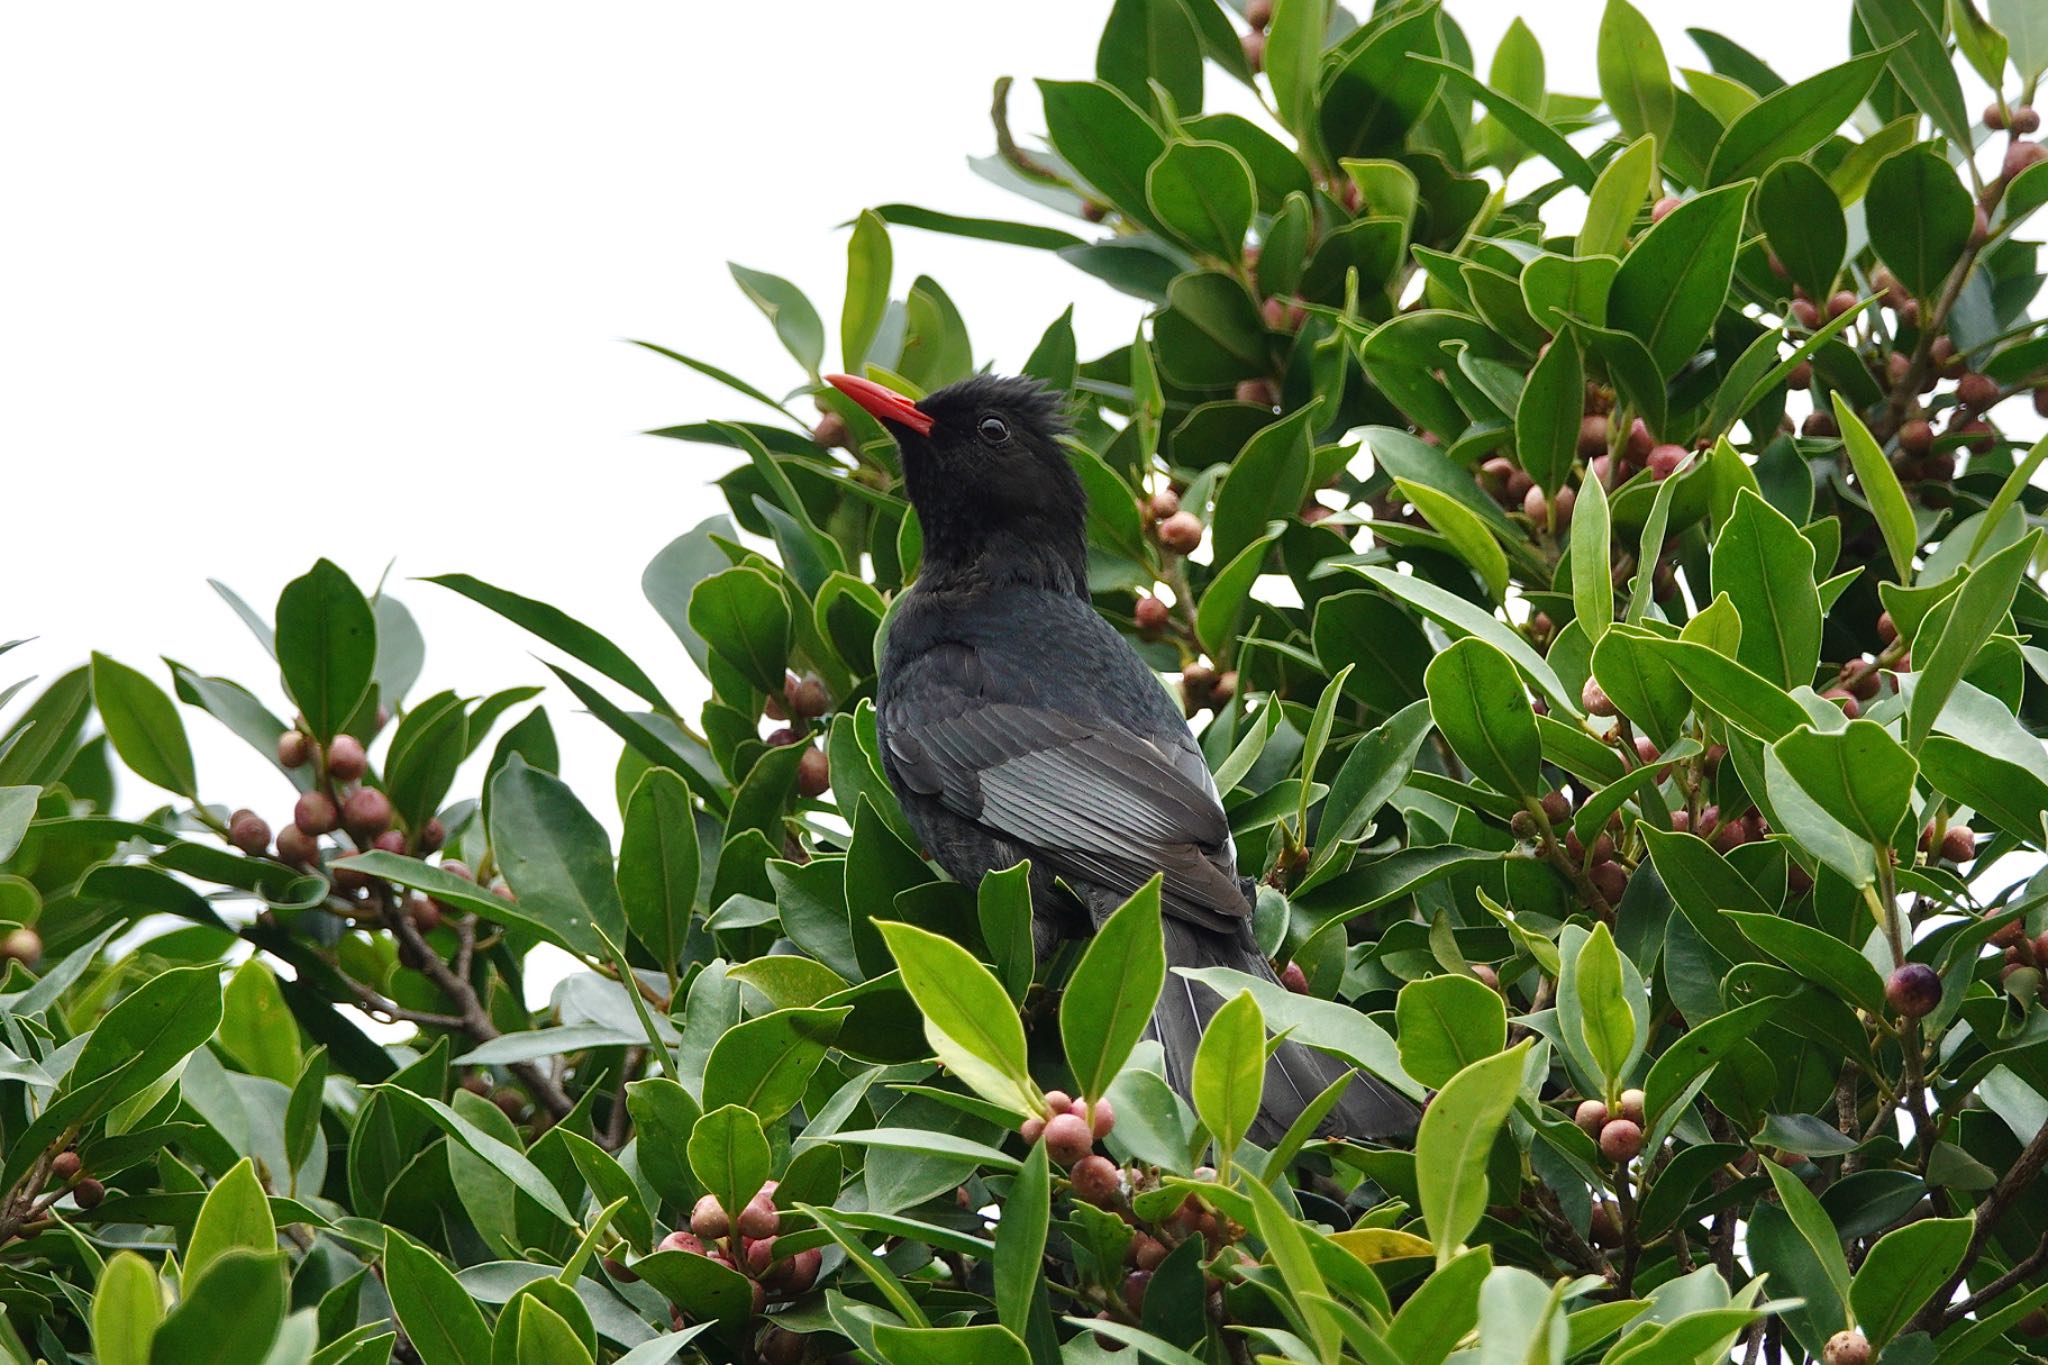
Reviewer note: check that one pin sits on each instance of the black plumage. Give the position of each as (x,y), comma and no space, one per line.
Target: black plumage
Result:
(1016,723)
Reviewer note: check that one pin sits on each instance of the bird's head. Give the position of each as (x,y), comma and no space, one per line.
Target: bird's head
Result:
(982,464)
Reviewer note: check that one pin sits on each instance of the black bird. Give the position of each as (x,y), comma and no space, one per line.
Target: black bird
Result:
(1016,723)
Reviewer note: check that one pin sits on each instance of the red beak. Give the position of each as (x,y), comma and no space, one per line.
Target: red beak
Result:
(884,405)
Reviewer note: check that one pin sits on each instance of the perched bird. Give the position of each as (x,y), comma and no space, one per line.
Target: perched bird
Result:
(1016,723)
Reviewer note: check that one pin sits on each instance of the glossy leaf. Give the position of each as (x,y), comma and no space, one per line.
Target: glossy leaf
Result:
(1928,226)
(1478,703)
(144,726)
(1456,1135)
(1446,1023)
(326,647)
(1108,1001)
(1230,1072)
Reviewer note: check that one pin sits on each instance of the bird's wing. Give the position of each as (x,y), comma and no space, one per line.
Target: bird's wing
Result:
(1091,799)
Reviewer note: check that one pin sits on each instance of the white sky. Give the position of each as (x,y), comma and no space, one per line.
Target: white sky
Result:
(282,281)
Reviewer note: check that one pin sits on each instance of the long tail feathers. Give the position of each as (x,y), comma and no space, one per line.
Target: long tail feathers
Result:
(1295,1074)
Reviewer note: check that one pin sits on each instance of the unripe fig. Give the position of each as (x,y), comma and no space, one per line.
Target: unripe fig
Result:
(1800,378)
(1897,365)
(708,1220)
(1495,475)
(366,813)
(1557,807)
(2026,119)
(1254,45)
(1067,1139)
(1146,1251)
(390,841)
(1096,1180)
(1610,880)
(315,813)
(1959,845)
(510,1103)
(293,749)
(1094,212)
(1620,1140)
(1485,974)
(1605,1227)
(1595,699)
(803,1270)
(620,1271)
(1916,437)
(1031,1129)
(1273,312)
(346,760)
(807,698)
(759,1219)
(1225,688)
(425,912)
(1180,533)
(1258,13)
(1805,313)
(2035,1324)
(295,847)
(1847,1347)
(1665,460)
(1913,990)
(1844,699)
(249,832)
(1859,676)
(1294,978)
(1840,302)
(779,1346)
(2020,154)
(1601,467)
(1259,391)
(2041,401)
(1151,614)
(1591,1116)
(1640,442)
(813,774)
(1593,430)
(1819,425)
(1632,1106)
(1163,504)
(1977,392)
(88,1193)
(65,1166)
(1661,210)
(1994,116)
(831,431)
(1103,1120)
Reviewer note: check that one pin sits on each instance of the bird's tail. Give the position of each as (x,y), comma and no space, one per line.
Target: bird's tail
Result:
(1295,1073)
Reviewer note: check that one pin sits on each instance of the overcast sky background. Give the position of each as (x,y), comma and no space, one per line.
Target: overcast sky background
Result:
(282,281)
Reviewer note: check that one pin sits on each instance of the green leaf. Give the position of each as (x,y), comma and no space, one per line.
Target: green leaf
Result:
(1672,285)
(1860,775)
(440,1318)
(562,631)
(968,1018)
(1819,957)
(991,1343)
(545,1336)
(1107,140)
(1460,615)
(302,1110)
(1294,50)
(235,1217)
(1267,482)
(1549,413)
(1813,1224)
(555,856)
(1592,576)
(1980,605)
(1803,221)
(1641,683)
(1904,1269)
(257,1027)
(765,1063)
(127,1306)
(1446,1023)
(980,229)
(1812,827)
(1151,40)
(868,266)
(658,865)
(1202,191)
(326,647)
(1618,196)
(432,741)
(664,1114)
(1108,1001)
(1454,1141)
(1790,123)
(1749,702)
(1211,335)
(730,1157)
(230,1315)
(1478,704)
(1443,1308)
(1223,601)
(1519,120)
(1765,566)
(1635,80)
(742,615)
(1912,41)
(1881,488)
(2026,29)
(1230,1072)
(144,727)
(1465,532)
(1927,218)
(1020,1242)
(796,323)
(1607,1019)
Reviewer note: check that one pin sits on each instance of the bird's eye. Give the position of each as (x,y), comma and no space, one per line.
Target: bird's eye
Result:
(994,430)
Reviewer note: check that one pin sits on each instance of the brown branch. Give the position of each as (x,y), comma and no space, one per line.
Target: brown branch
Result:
(2017,1179)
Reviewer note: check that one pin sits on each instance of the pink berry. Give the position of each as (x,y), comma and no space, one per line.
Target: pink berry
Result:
(1067,1139)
